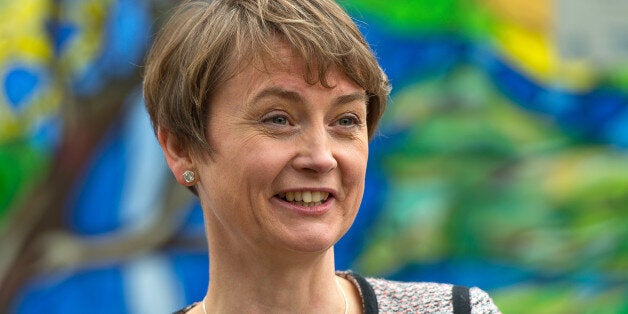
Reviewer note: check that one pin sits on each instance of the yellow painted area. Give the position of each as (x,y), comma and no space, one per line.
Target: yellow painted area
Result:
(25,42)
(33,50)
(535,15)
(534,54)
(91,17)
(527,49)
(22,31)
(44,103)
(563,177)
(575,171)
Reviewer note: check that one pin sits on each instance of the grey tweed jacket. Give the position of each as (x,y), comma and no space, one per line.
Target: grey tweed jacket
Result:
(385,296)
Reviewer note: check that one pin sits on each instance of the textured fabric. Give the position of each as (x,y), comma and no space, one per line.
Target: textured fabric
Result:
(420,297)
(386,296)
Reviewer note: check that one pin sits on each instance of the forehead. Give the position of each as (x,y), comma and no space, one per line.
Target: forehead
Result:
(285,70)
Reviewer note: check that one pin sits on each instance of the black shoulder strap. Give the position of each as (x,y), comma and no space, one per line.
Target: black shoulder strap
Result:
(187,309)
(368,295)
(461,300)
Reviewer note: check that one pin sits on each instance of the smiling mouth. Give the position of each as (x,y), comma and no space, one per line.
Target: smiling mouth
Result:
(305,198)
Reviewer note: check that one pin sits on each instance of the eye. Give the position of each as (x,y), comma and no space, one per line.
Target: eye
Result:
(348,121)
(276,119)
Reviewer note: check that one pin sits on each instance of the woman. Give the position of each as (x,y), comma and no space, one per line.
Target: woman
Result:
(264,109)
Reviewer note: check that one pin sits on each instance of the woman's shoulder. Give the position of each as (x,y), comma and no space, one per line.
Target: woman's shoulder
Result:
(425,297)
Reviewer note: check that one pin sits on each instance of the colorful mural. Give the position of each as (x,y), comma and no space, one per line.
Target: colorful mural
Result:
(499,163)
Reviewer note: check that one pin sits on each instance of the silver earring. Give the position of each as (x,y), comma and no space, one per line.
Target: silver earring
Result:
(188,176)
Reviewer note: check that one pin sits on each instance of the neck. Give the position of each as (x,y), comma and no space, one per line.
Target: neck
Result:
(247,281)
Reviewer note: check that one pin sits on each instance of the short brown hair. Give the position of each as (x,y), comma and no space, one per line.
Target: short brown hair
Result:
(204,43)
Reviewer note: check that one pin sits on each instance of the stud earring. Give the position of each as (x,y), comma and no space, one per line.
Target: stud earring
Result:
(188,176)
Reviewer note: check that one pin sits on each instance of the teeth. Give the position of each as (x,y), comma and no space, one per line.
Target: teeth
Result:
(305,198)
(316,196)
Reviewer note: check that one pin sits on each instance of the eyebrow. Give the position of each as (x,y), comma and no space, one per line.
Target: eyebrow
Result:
(278,92)
(357,96)
(296,97)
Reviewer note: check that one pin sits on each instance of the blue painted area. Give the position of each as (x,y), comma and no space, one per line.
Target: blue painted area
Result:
(147,174)
(126,38)
(584,116)
(19,84)
(194,225)
(89,81)
(376,190)
(514,85)
(352,244)
(594,111)
(98,291)
(616,131)
(554,102)
(124,183)
(95,207)
(60,33)
(192,270)
(102,290)
(46,134)
(408,60)
(128,34)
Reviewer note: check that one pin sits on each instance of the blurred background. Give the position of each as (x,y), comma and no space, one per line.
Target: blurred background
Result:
(502,161)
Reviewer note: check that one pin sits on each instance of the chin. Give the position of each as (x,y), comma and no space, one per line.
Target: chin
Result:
(310,234)
(312,241)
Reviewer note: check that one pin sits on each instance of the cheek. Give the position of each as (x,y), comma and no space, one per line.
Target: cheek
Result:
(259,163)
(353,162)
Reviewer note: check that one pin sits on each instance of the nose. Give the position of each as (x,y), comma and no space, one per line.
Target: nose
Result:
(315,152)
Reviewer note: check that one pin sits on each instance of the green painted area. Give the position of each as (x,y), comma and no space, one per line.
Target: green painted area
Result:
(20,167)
(561,298)
(618,78)
(423,16)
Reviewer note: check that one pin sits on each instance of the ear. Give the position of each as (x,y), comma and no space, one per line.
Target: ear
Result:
(177,156)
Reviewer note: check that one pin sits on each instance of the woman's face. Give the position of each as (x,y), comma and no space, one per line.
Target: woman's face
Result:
(289,159)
